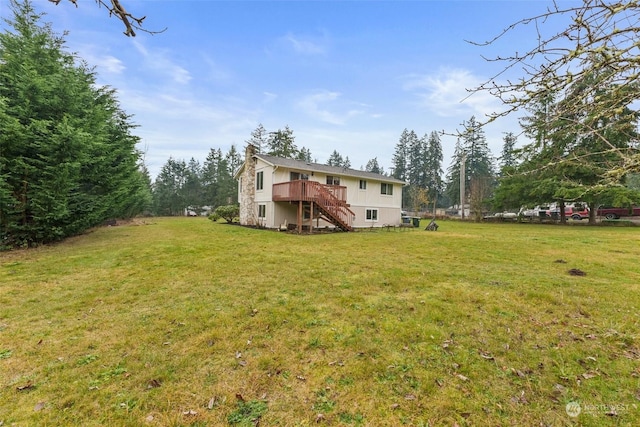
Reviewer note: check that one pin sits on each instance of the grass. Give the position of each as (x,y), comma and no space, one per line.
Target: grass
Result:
(184,322)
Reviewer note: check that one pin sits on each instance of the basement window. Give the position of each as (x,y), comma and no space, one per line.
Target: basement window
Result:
(371,214)
(262,211)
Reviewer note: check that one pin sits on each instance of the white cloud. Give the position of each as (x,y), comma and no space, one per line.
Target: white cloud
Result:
(111,64)
(446,93)
(106,64)
(268,97)
(305,46)
(314,106)
(159,62)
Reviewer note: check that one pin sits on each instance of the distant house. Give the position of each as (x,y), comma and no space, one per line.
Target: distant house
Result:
(283,193)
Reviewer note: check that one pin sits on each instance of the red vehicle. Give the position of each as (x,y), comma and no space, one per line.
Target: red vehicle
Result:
(614,213)
(575,212)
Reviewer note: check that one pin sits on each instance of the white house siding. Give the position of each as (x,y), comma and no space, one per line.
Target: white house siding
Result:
(388,207)
(264,196)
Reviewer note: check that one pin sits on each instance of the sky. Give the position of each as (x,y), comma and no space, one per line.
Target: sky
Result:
(348,76)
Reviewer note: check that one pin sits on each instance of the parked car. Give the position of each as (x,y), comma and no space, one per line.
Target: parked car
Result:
(534,212)
(576,212)
(614,213)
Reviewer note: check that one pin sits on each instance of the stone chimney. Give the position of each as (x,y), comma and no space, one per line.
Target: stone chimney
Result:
(248,211)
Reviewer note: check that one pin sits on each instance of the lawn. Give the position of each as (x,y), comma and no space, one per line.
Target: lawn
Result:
(185,322)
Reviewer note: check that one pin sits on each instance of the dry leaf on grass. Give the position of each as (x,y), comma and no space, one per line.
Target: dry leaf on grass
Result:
(28,386)
(462,377)
(154,383)
(589,375)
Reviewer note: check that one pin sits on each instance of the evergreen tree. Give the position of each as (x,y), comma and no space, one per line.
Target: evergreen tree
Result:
(400,162)
(373,166)
(68,155)
(305,154)
(227,185)
(400,157)
(453,173)
(479,159)
(433,166)
(210,177)
(259,138)
(415,160)
(335,159)
(168,188)
(508,156)
(281,143)
(193,186)
(473,148)
(234,159)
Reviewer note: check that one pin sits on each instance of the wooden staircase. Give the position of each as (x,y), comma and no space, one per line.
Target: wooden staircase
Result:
(328,199)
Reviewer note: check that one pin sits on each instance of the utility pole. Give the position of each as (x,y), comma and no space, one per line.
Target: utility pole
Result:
(462,185)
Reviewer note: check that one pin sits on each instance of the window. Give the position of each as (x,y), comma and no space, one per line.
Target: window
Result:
(260,180)
(333,180)
(294,176)
(371,214)
(386,189)
(363,184)
(262,211)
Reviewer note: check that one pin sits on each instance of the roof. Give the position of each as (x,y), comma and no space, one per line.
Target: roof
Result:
(301,165)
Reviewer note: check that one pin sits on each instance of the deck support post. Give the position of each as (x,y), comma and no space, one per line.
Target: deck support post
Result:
(299,217)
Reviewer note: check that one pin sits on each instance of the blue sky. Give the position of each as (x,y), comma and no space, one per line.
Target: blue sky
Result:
(343,75)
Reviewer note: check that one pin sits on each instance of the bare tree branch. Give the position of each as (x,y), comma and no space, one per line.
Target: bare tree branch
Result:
(116,9)
(601,35)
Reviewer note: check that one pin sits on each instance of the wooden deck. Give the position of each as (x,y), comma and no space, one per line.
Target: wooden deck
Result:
(331,200)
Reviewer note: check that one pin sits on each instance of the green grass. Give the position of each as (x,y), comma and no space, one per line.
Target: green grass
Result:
(185,322)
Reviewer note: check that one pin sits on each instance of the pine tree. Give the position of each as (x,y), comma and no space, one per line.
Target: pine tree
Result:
(168,188)
(281,143)
(400,157)
(415,160)
(479,159)
(453,173)
(305,154)
(234,159)
(433,166)
(479,169)
(335,159)
(259,138)
(373,166)
(508,157)
(192,189)
(210,187)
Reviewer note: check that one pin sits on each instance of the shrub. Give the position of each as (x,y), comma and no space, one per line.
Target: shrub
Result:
(229,212)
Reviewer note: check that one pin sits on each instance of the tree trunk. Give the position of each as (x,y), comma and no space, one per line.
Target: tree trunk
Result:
(593,210)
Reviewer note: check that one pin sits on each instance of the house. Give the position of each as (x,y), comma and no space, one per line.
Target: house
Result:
(284,193)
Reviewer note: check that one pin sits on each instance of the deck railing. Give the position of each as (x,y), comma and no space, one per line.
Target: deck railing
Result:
(305,190)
